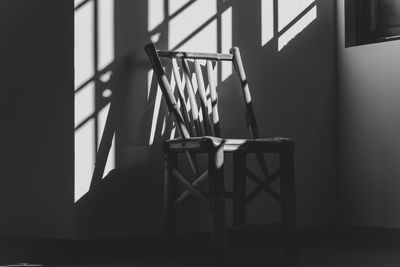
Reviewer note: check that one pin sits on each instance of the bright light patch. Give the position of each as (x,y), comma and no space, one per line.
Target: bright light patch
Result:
(163,126)
(174,5)
(85,70)
(172,133)
(173,83)
(194,83)
(215,73)
(204,41)
(84,158)
(299,26)
(288,10)
(106,32)
(111,156)
(106,93)
(200,115)
(190,20)
(106,76)
(155,13)
(209,105)
(226,41)
(267,21)
(84,103)
(84,44)
(155,37)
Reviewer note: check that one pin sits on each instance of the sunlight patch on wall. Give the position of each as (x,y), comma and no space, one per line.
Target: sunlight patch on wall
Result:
(175,5)
(155,13)
(187,22)
(293,18)
(89,119)
(226,41)
(84,99)
(105,58)
(205,40)
(298,27)
(84,44)
(267,21)
(106,33)
(288,10)
(84,104)
(84,158)
(110,164)
(84,144)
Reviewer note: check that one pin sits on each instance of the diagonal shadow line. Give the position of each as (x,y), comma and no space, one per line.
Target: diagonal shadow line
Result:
(176,13)
(180,10)
(81,4)
(94,77)
(159,28)
(200,28)
(92,116)
(296,19)
(106,101)
(275,18)
(167,19)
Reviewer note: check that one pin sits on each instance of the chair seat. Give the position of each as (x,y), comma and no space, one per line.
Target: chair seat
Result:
(205,143)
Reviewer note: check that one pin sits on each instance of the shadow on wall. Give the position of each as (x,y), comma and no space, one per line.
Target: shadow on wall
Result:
(286,93)
(107,200)
(107,87)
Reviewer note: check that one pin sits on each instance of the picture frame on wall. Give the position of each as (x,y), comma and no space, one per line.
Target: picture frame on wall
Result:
(371,21)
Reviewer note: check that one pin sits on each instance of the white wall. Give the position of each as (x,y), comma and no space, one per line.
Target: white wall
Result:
(369,130)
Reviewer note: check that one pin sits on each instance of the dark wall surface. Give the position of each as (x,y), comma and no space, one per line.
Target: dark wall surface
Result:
(36,66)
(369,127)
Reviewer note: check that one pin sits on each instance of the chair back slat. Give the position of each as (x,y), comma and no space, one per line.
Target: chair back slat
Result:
(184,108)
(184,123)
(181,95)
(203,97)
(244,85)
(167,91)
(214,99)
(192,98)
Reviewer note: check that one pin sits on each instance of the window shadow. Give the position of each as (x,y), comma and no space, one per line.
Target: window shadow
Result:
(128,200)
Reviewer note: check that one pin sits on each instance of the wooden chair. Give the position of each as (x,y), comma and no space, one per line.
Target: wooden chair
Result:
(199,132)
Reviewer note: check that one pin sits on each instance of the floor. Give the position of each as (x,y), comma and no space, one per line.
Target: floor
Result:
(355,247)
(321,257)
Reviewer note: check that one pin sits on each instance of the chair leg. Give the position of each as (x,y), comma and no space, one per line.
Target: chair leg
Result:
(288,204)
(170,184)
(217,200)
(239,189)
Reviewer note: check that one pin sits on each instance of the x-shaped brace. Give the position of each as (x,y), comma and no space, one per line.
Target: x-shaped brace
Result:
(191,188)
(263,185)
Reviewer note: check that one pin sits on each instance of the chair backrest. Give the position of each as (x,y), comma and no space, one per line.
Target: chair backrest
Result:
(199,115)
